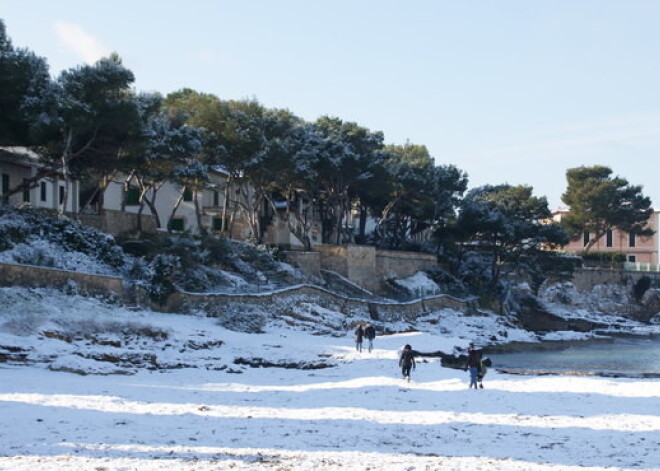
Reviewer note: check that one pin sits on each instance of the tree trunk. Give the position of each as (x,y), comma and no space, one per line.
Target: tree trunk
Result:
(176,206)
(66,157)
(198,214)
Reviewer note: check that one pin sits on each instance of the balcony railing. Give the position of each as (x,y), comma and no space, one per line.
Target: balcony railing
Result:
(638,266)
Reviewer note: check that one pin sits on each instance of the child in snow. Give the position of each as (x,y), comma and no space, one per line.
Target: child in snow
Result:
(407,361)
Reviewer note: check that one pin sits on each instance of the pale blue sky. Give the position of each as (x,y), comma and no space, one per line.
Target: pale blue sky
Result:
(508,91)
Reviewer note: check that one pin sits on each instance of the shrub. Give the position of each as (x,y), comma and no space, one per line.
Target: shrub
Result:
(640,287)
(617,257)
(161,286)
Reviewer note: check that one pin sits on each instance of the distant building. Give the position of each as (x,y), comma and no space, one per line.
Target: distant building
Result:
(638,250)
(20,185)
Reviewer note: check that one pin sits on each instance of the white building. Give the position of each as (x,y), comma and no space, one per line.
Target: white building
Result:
(19,167)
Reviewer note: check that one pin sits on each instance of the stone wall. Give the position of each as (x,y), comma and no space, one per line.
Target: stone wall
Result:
(369,267)
(362,266)
(333,258)
(118,222)
(214,305)
(43,277)
(586,278)
(308,262)
(393,264)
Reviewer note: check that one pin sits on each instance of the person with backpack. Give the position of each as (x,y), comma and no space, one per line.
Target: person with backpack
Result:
(472,364)
(407,361)
(359,335)
(370,335)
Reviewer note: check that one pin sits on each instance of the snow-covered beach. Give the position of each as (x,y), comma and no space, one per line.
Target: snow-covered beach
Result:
(202,406)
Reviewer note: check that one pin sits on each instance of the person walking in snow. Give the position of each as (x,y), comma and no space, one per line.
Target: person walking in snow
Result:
(370,335)
(407,361)
(472,364)
(359,335)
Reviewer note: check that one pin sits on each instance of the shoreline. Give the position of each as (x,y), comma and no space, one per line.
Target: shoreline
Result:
(597,374)
(600,337)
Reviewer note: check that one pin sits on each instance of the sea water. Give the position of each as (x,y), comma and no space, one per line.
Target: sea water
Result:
(633,357)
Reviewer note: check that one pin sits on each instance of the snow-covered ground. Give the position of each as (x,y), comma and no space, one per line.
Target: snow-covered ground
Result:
(190,400)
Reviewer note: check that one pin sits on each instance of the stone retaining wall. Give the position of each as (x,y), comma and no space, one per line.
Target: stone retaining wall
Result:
(118,222)
(587,278)
(43,277)
(395,264)
(365,265)
(308,262)
(214,304)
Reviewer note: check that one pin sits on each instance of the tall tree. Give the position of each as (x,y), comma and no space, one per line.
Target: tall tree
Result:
(95,110)
(296,178)
(347,156)
(506,229)
(599,202)
(421,195)
(168,146)
(26,88)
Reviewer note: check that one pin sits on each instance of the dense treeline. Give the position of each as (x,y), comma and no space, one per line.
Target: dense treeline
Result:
(89,122)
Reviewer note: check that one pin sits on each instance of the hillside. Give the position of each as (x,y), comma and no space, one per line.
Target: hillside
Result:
(90,384)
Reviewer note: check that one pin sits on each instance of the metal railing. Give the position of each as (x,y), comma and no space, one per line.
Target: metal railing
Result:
(639,266)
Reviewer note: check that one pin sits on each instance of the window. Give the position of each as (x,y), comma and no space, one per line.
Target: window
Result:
(216,198)
(631,240)
(187,194)
(176,225)
(585,238)
(132,196)
(43,194)
(608,238)
(5,188)
(217,224)
(61,194)
(26,190)
(632,258)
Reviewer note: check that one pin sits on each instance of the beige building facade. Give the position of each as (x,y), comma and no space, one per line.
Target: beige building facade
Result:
(641,251)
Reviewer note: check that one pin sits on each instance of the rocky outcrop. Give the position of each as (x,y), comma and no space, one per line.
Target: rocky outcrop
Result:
(649,305)
(534,316)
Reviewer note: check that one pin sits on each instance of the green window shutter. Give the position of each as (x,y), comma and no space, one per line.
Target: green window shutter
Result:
(5,187)
(26,191)
(132,196)
(176,224)
(187,194)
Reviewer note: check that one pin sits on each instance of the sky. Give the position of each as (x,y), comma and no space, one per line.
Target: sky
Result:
(510,92)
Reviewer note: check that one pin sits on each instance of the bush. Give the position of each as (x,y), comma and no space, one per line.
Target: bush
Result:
(163,269)
(640,287)
(616,257)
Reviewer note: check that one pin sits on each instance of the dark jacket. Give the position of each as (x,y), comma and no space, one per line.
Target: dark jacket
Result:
(359,333)
(407,357)
(473,359)
(370,332)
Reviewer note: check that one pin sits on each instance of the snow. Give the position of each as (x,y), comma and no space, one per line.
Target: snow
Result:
(190,405)
(50,255)
(418,283)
